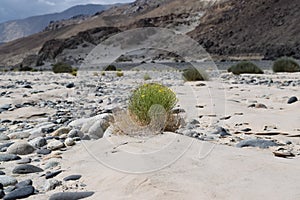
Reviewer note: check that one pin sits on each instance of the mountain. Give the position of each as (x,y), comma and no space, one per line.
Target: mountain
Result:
(174,14)
(15,29)
(267,28)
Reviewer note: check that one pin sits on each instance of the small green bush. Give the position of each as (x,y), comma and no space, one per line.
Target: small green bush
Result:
(146,96)
(120,74)
(110,68)
(62,67)
(193,74)
(245,67)
(147,77)
(102,73)
(286,64)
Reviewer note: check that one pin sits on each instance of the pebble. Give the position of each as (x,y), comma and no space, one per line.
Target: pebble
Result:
(24,183)
(51,164)
(53,174)
(70,85)
(75,133)
(4,137)
(7,180)
(9,157)
(292,100)
(55,145)
(24,161)
(20,148)
(38,142)
(70,195)
(43,151)
(26,169)
(221,131)
(263,144)
(51,184)
(61,131)
(69,142)
(72,177)
(20,193)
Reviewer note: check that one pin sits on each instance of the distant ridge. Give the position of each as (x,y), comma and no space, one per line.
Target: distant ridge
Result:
(15,29)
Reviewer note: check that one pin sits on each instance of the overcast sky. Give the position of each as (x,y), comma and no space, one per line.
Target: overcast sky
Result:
(18,9)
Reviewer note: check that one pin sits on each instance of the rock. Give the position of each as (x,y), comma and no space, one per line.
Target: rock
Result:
(52,184)
(2,172)
(51,164)
(8,157)
(26,169)
(86,137)
(7,180)
(72,178)
(5,145)
(69,142)
(2,194)
(75,133)
(103,120)
(283,154)
(96,131)
(5,107)
(19,135)
(260,105)
(70,195)
(246,129)
(53,174)
(4,137)
(24,183)
(263,144)
(55,145)
(221,131)
(43,151)
(70,85)
(38,142)
(24,161)
(20,148)
(20,193)
(292,100)
(61,131)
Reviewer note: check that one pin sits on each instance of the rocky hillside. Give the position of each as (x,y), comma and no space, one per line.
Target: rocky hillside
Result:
(269,28)
(15,29)
(166,13)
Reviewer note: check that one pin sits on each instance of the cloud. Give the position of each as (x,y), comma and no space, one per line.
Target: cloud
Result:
(18,9)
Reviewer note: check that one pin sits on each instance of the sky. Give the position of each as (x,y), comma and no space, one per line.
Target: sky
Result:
(19,9)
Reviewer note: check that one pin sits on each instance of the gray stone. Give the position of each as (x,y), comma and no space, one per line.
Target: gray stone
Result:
(24,183)
(21,148)
(51,164)
(55,145)
(43,151)
(221,131)
(20,193)
(4,137)
(69,142)
(292,100)
(61,131)
(263,144)
(75,133)
(52,174)
(19,135)
(7,180)
(52,184)
(38,142)
(8,157)
(72,177)
(24,161)
(26,169)
(70,195)
(5,145)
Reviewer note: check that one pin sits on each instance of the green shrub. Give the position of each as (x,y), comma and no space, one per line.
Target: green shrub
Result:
(193,74)
(102,73)
(145,98)
(147,77)
(62,67)
(286,64)
(120,74)
(245,67)
(74,72)
(110,68)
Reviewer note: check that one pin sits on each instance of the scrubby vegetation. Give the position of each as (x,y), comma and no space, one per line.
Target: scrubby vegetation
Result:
(110,68)
(193,74)
(62,67)
(149,99)
(286,64)
(120,74)
(245,67)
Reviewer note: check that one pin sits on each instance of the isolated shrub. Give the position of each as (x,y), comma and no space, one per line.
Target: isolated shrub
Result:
(74,72)
(245,67)
(147,77)
(193,74)
(102,73)
(286,64)
(62,67)
(25,68)
(149,99)
(110,68)
(120,74)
